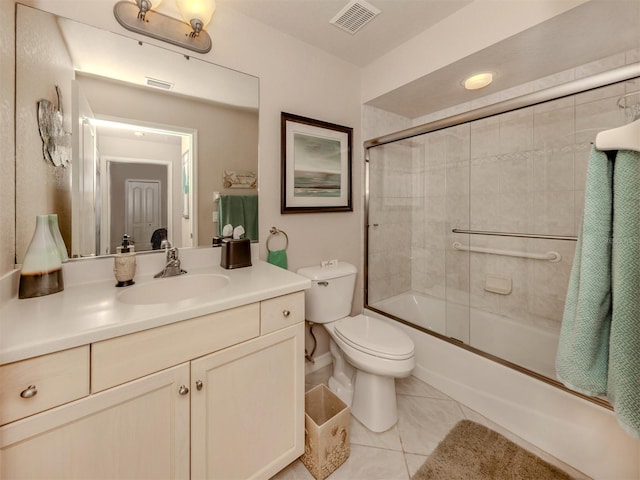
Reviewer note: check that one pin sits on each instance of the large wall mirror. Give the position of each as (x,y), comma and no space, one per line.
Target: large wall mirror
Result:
(150,135)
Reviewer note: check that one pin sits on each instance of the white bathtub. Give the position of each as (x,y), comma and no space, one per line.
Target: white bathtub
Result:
(522,344)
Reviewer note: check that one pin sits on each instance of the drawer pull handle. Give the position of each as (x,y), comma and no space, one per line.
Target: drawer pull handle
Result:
(30,391)
(286,313)
(198,384)
(183,390)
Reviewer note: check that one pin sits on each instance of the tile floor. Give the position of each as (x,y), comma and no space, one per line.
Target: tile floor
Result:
(425,416)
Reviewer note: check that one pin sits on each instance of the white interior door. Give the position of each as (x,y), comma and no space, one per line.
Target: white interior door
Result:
(142,211)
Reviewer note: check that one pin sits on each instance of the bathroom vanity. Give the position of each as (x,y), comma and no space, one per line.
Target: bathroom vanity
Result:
(206,387)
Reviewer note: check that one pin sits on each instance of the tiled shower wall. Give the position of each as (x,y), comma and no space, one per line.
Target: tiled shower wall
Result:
(523,171)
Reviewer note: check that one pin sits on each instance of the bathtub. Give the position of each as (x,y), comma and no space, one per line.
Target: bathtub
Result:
(524,345)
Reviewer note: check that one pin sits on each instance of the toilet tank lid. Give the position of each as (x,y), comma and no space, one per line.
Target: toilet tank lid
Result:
(316,272)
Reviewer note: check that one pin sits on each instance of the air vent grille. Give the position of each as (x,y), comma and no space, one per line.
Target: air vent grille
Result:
(154,82)
(354,16)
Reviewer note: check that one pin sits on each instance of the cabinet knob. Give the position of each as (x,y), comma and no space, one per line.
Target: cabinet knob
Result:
(30,391)
(198,384)
(183,390)
(286,313)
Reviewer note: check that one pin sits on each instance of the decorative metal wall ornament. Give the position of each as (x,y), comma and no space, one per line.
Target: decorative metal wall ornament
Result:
(56,145)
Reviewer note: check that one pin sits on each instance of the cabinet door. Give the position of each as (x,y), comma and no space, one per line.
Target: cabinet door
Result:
(247,418)
(138,430)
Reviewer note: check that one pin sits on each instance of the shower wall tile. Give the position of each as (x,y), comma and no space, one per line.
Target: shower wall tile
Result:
(554,125)
(485,212)
(485,138)
(553,170)
(516,131)
(515,212)
(553,212)
(516,173)
(485,175)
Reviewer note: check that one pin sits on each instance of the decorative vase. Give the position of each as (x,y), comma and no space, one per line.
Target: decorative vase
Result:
(42,267)
(57,237)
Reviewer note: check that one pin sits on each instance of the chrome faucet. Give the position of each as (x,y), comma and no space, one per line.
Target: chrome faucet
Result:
(172,267)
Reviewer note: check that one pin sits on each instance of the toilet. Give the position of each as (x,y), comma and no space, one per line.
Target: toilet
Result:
(368,353)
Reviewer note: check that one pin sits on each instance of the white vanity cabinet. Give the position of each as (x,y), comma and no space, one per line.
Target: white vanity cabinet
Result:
(219,396)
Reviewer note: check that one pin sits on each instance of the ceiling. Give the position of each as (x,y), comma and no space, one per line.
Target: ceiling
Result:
(589,32)
(308,20)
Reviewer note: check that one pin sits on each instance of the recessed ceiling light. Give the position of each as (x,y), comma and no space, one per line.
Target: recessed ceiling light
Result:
(479,80)
(138,133)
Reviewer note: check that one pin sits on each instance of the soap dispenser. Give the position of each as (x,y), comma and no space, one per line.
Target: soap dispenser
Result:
(124,266)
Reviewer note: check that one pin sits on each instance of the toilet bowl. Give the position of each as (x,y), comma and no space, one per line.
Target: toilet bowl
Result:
(368,353)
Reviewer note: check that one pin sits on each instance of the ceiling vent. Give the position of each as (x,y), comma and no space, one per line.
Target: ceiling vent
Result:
(154,82)
(355,15)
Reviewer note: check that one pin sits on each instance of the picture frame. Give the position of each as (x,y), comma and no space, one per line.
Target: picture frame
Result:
(316,165)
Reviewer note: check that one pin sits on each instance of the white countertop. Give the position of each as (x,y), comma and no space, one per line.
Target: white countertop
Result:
(88,312)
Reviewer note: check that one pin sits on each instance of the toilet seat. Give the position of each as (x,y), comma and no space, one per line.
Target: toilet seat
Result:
(375,337)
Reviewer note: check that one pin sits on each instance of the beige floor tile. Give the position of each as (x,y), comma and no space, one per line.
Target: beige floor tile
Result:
(414,462)
(360,435)
(424,422)
(412,386)
(367,463)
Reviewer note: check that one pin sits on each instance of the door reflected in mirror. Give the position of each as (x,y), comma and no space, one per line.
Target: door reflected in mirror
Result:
(146,160)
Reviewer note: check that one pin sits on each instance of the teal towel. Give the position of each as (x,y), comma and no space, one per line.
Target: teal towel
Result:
(278,258)
(583,349)
(239,210)
(623,389)
(599,347)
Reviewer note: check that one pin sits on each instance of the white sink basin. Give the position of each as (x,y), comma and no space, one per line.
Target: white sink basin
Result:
(173,289)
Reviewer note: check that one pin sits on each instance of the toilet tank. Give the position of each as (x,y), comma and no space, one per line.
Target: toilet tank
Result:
(331,292)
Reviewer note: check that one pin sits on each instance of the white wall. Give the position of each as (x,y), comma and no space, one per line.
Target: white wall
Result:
(7,146)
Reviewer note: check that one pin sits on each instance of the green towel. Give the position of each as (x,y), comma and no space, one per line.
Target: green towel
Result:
(239,210)
(278,258)
(623,389)
(583,349)
(599,348)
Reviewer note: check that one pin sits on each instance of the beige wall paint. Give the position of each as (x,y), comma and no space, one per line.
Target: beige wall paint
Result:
(44,188)
(7,145)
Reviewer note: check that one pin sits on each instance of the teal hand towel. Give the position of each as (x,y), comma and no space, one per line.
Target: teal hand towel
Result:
(239,210)
(583,349)
(278,258)
(623,389)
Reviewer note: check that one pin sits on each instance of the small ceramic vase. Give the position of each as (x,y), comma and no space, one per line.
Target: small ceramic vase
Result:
(57,237)
(42,267)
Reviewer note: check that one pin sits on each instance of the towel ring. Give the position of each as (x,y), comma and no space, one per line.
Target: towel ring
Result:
(274,231)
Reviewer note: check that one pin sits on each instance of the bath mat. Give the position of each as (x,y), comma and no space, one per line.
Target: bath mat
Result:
(473,452)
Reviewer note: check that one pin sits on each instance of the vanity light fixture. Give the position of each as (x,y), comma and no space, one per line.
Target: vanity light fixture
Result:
(140,16)
(477,81)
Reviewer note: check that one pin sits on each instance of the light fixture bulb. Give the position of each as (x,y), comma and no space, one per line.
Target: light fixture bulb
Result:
(478,81)
(145,6)
(197,13)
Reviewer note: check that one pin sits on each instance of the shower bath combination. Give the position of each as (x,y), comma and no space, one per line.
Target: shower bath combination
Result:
(490,205)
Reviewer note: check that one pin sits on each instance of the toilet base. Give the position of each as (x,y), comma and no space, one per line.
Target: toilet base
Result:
(374,401)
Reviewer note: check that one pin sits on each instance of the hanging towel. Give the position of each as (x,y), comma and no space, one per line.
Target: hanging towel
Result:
(278,258)
(623,389)
(239,210)
(583,349)
(599,347)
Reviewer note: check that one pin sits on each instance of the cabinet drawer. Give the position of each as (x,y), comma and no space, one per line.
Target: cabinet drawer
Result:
(119,360)
(280,312)
(56,378)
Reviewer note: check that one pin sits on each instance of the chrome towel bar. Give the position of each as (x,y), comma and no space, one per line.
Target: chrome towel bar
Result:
(521,235)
